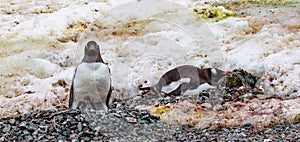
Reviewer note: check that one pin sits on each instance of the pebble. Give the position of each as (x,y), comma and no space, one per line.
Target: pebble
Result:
(130,120)
(6,128)
(79,126)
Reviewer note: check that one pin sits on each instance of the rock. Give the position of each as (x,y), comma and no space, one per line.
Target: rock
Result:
(130,120)
(225,130)
(206,105)
(25,133)
(66,133)
(1,125)
(117,115)
(79,127)
(23,124)
(32,126)
(12,121)
(6,128)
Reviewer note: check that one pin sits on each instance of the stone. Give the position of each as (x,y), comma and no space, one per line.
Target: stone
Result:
(79,127)
(130,119)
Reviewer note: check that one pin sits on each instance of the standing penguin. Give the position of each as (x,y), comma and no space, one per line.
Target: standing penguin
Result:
(187,80)
(91,84)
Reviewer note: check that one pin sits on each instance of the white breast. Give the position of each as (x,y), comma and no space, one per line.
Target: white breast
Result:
(91,80)
(214,71)
(199,89)
(174,85)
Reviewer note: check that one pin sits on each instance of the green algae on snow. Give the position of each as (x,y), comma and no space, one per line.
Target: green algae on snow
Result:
(215,14)
(266,2)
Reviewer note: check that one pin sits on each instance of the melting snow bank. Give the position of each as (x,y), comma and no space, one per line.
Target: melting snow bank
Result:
(40,50)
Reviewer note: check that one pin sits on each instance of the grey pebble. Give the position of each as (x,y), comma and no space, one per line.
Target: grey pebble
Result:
(6,128)
(23,124)
(79,127)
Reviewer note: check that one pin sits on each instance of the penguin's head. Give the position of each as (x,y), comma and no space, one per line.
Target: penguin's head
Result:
(92,48)
(92,53)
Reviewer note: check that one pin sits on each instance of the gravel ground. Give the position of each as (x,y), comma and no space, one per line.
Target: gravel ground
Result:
(126,123)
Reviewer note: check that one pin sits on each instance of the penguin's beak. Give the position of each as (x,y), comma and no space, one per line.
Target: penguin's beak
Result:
(92,48)
(227,73)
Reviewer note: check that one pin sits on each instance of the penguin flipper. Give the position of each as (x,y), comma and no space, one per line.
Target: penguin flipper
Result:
(109,91)
(108,97)
(71,99)
(71,96)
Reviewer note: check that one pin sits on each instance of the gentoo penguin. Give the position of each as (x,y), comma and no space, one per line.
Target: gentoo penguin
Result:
(187,80)
(91,85)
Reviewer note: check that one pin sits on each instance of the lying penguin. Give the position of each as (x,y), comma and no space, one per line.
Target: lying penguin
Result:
(91,85)
(187,80)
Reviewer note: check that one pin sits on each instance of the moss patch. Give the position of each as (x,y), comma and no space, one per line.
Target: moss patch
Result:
(213,13)
(266,2)
(158,111)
